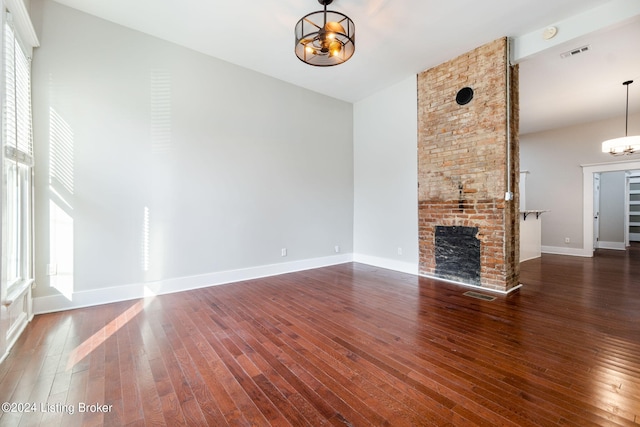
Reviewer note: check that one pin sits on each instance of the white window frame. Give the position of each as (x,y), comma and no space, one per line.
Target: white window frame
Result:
(17,164)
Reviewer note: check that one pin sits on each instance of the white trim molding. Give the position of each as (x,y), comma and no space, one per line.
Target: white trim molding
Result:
(587,196)
(22,24)
(529,258)
(413,268)
(618,246)
(389,264)
(559,250)
(467,285)
(59,302)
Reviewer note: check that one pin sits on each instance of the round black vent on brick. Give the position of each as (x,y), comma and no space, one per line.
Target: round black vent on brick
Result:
(464,96)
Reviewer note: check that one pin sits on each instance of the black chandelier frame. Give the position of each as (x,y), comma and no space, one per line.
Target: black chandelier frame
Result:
(325,38)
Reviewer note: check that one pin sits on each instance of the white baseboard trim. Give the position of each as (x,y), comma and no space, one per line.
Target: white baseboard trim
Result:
(618,246)
(15,335)
(531,257)
(52,303)
(558,250)
(467,285)
(410,268)
(389,264)
(59,302)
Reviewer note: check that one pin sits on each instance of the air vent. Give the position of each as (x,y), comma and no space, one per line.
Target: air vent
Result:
(479,296)
(576,51)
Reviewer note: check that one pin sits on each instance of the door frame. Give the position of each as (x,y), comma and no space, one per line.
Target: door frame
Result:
(587,197)
(596,209)
(627,179)
(630,175)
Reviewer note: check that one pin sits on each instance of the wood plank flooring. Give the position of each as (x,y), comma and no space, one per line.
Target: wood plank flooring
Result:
(348,345)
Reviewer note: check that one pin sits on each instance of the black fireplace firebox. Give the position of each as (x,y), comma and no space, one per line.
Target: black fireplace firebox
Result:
(458,254)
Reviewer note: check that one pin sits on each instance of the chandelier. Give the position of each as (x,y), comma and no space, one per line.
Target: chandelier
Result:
(624,145)
(325,38)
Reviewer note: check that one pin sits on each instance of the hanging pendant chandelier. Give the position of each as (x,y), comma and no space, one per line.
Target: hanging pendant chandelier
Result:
(325,38)
(627,144)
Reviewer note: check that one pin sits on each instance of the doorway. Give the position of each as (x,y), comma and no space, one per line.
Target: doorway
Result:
(596,210)
(588,173)
(632,207)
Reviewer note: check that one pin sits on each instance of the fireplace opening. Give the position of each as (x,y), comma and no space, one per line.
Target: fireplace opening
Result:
(457,251)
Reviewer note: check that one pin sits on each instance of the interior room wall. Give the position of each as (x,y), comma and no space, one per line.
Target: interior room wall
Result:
(612,209)
(553,159)
(159,168)
(385,178)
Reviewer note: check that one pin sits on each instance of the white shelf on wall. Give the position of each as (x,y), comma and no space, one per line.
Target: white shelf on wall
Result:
(530,234)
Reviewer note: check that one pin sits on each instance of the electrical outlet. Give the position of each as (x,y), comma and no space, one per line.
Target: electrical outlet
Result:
(283,252)
(399,251)
(567,240)
(337,248)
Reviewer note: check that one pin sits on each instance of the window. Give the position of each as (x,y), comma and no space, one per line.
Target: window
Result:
(17,166)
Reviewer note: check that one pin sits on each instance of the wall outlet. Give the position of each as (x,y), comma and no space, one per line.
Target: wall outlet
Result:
(399,251)
(337,248)
(283,252)
(567,240)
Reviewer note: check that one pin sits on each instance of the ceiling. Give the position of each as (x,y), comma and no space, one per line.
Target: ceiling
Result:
(398,38)
(557,92)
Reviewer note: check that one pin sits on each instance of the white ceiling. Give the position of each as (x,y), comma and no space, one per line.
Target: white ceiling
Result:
(397,38)
(557,92)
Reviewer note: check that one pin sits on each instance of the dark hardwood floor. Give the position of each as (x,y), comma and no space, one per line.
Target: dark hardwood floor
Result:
(349,345)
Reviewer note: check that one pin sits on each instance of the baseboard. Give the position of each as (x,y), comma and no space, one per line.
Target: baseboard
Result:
(478,287)
(410,268)
(15,335)
(389,264)
(48,304)
(558,250)
(618,246)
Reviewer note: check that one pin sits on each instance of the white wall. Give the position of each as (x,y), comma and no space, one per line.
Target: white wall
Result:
(385,178)
(157,165)
(555,181)
(612,209)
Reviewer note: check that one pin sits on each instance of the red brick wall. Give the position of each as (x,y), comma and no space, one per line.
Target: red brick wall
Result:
(462,166)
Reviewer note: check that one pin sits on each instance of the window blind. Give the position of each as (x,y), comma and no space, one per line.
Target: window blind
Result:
(18,135)
(17,166)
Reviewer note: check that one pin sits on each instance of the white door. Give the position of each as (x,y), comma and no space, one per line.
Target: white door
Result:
(596,209)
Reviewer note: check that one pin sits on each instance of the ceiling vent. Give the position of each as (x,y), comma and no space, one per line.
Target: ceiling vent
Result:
(576,51)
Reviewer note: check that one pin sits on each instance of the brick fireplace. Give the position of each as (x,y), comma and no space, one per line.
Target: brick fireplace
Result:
(463,170)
